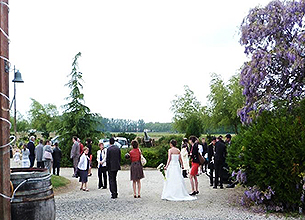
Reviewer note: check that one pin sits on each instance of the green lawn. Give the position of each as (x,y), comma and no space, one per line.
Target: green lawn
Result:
(59,181)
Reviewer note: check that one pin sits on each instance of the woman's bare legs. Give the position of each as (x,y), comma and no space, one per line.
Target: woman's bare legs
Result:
(139,187)
(134,182)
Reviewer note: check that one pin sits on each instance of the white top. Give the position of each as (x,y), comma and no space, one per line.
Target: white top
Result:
(17,156)
(98,156)
(25,154)
(83,162)
(185,158)
(200,148)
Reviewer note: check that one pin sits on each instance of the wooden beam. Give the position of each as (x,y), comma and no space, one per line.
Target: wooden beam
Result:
(5,206)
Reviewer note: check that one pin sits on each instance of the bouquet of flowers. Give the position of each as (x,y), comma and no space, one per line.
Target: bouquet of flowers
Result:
(161,169)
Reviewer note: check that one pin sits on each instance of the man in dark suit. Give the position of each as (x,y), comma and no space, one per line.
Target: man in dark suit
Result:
(113,161)
(31,148)
(211,151)
(57,155)
(219,159)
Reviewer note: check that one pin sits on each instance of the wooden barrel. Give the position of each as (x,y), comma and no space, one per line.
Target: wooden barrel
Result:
(34,200)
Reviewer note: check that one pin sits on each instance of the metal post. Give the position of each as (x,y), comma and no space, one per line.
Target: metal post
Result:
(5,206)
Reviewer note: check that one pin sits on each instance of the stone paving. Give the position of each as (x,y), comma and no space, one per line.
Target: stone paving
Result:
(97,204)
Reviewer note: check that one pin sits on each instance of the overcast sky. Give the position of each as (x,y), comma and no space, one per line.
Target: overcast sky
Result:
(136,54)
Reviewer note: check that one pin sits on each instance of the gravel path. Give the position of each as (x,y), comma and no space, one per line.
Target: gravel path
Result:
(97,204)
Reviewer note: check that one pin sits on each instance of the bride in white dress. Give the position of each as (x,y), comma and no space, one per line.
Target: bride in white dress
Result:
(174,186)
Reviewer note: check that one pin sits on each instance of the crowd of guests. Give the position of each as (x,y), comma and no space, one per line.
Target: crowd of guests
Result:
(108,164)
(45,154)
(215,160)
(108,160)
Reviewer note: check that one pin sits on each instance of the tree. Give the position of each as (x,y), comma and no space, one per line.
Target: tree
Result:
(188,114)
(44,118)
(77,120)
(274,40)
(225,101)
(23,125)
(159,127)
(141,125)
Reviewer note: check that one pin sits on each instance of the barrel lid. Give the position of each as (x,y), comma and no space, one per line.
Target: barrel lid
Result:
(25,173)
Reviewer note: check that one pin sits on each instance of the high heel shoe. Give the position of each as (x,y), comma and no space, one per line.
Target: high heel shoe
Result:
(193,193)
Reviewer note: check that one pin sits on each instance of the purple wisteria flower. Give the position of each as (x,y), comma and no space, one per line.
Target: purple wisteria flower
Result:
(273,37)
(241,176)
(258,196)
(233,174)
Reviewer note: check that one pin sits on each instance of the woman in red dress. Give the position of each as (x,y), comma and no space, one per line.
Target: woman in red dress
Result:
(195,164)
(136,168)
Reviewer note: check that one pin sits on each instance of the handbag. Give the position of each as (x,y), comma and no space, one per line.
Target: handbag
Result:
(47,155)
(201,159)
(143,160)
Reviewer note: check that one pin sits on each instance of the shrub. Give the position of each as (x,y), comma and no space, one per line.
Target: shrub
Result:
(164,140)
(154,155)
(128,136)
(271,152)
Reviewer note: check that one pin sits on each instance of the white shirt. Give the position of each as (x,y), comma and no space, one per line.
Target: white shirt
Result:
(200,148)
(83,162)
(104,155)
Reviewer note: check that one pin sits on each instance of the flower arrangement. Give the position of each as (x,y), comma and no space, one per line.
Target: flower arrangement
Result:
(161,169)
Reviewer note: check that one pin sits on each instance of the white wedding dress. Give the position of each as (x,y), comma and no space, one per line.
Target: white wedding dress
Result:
(174,186)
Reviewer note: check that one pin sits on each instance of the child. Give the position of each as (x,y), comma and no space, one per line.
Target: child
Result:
(16,157)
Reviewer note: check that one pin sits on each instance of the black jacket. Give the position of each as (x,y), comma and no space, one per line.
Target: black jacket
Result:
(194,153)
(56,154)
(220,152)
(113,158)
(210,153)
(31,148)
(205,148)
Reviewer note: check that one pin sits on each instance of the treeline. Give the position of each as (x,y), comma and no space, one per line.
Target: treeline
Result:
(126,125)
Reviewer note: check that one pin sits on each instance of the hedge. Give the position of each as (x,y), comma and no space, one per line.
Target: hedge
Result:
(270,153)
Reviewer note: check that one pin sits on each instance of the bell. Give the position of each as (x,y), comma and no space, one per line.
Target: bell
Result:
(17,77)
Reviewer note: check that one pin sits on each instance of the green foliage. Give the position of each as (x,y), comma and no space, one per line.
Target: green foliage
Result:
(154,155)
(271,151)
(225,101)
(23,125)
(77,120)
(164,140)
(188,113)
(124,125)
(159,127)
(194,126)
(119,125)
(129,136)
(44,118)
